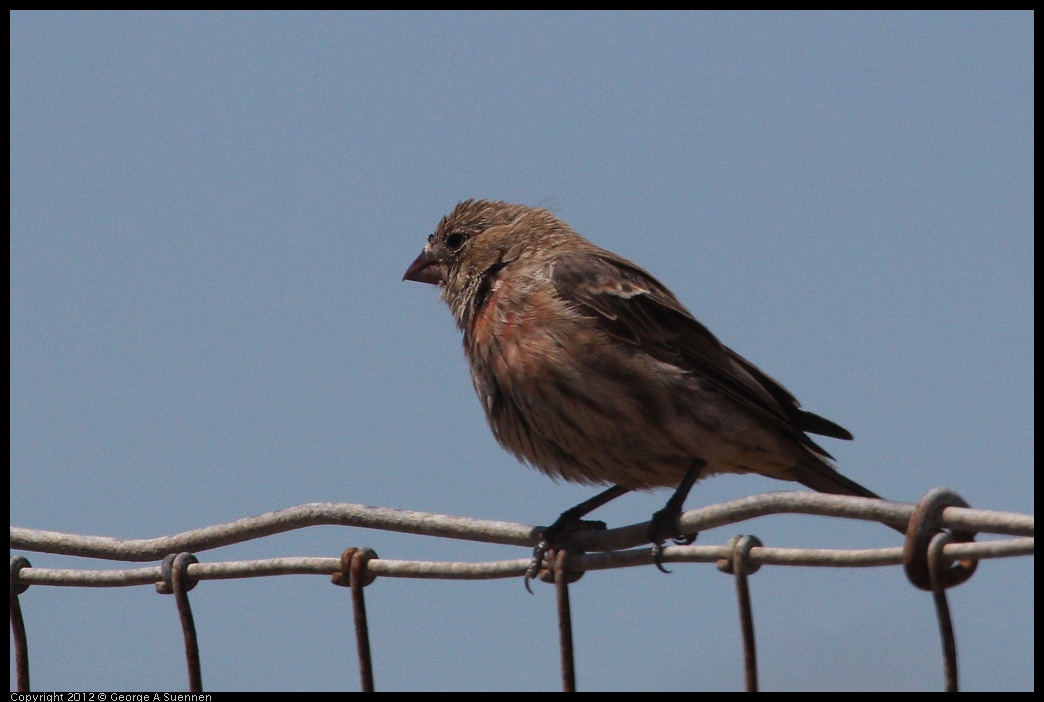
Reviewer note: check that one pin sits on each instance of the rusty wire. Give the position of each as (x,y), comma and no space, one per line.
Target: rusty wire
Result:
(928,568)
(939,565)
(938,553)
(176,581)
(924,525)
(562,579)
(738,564)
(487,570)
(21,644)
(507,533)
(355,575)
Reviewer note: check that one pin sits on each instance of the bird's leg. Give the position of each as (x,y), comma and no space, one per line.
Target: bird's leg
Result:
(568,521)
(664,523)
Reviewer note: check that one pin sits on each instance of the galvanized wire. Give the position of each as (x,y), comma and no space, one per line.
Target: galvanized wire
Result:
(18,624)
(929,560)
(507,533)
(492,570)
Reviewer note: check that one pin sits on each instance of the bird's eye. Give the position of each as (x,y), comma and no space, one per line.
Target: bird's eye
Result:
(454,241)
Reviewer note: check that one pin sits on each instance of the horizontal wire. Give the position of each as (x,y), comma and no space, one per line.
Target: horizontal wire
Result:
(450,570)
(507,533)
(612,548)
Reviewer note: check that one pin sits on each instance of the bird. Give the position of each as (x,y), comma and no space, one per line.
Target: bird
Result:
(590,370)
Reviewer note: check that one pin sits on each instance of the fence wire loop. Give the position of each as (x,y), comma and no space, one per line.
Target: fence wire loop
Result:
(176,581)
(550,565)
(21,644)
(17,563)
(738,563)
(923,527)
(738,558)
(354,558)
(354,574)
(167,568)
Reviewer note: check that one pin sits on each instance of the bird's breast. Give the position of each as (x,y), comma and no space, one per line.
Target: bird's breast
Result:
(513,333)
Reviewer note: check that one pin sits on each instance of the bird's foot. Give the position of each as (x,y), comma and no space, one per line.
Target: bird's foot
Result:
(666,524)
(551,539)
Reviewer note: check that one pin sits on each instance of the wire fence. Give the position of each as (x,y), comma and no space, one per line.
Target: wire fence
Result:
(939,552)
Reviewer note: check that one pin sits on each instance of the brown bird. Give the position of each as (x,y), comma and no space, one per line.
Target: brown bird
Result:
(591,370)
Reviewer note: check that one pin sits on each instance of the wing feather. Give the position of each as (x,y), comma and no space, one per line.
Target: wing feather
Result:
(634,307)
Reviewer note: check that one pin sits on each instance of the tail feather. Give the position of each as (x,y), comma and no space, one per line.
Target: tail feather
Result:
(823,478)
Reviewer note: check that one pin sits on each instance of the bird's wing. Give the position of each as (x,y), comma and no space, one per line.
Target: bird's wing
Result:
(634,307)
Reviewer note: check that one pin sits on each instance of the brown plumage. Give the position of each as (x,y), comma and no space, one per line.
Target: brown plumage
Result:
(591,370)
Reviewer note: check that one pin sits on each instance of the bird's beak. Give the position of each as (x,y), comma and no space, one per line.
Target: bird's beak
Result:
(425,269)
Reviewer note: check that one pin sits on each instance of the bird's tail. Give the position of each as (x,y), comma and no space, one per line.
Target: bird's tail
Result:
(822,477)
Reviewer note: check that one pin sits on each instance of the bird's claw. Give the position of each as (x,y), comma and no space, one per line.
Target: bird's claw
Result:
(657,556)
(536,563)
(665,524)
(552,538)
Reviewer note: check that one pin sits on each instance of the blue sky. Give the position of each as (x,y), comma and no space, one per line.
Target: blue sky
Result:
(210,217)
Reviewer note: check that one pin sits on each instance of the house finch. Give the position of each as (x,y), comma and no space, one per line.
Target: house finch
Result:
(590,369)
